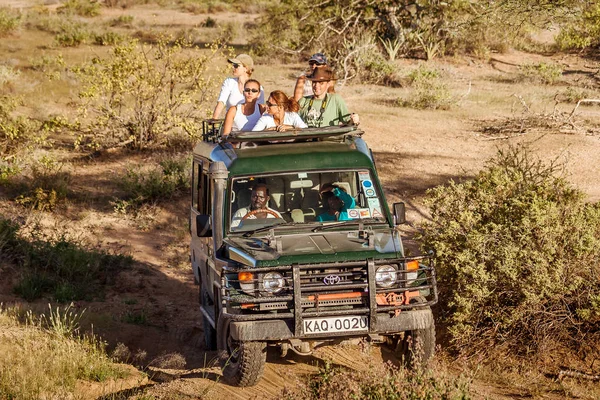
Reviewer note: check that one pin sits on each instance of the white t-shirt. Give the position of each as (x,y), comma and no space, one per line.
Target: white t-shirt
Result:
(243,122)
(231,96)
(290,118)
(239,214)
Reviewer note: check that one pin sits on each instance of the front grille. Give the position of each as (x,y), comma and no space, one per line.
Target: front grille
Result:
(326,280)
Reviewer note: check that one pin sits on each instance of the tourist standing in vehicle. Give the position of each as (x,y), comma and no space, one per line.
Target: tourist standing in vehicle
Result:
(323,108)
(231,91)
(244,116)
(282,114)
(303,86)
(337,202)
(258,208)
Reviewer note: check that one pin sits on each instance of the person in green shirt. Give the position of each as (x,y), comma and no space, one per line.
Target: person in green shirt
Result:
(323,108)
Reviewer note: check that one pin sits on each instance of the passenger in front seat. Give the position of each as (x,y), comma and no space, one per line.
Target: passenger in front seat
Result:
(337,202)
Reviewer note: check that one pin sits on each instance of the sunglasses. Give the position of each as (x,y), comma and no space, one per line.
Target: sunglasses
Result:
(235,66)
(269,104)
(248,90)
(311,63)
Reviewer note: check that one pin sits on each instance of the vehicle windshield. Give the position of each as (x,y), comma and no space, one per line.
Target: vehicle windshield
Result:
(310,198)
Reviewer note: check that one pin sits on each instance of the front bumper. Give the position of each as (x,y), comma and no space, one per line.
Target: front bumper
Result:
(283,329)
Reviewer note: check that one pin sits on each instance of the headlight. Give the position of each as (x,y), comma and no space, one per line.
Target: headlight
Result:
(273,282)
(385,276)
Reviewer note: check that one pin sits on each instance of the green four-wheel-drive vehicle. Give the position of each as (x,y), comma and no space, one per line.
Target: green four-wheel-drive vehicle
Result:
(293,277)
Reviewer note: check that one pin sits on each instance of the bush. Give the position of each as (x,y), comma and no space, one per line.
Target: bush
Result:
(582,30)
(9,21)
(428,90)
(519,256)
(16,132)
(46,187)
(161,182)
(84,8)
(72,34)
(59,267)
(141,94)
(380,381)
(545,73)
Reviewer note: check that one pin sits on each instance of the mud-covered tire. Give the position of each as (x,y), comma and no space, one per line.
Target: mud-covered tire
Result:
(417,347)
(210,333)
(244,362)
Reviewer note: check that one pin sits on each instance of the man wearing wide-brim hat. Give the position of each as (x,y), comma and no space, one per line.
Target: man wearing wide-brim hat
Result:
(323,108)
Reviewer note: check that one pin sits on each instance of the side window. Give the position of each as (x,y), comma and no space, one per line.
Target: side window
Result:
(201,188)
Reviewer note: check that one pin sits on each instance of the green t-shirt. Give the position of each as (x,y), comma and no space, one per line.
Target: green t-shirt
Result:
(334,113)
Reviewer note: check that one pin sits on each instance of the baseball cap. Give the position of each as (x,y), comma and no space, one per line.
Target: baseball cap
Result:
(243,59)
(318,58)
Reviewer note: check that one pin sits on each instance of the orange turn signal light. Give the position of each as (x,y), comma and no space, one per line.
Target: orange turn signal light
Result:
(245,276)
(412,265)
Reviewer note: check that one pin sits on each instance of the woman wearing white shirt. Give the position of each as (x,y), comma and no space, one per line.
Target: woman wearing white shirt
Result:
(282,114)
(231,91)
(244,116)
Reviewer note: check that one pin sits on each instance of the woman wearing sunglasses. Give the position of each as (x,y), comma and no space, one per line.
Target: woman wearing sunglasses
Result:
(282,114)
(231,91)
(244,116)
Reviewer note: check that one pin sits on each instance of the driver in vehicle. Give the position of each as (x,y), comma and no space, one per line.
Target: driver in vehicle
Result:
(258,207)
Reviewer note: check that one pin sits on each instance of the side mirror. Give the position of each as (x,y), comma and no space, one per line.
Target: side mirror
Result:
(400,213)
(203,226)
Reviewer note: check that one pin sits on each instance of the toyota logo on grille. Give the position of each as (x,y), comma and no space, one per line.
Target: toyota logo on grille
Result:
(332,280)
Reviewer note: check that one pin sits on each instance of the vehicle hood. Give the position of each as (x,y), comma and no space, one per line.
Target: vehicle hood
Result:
(314,247)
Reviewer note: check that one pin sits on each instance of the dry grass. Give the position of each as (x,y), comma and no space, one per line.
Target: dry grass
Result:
(43,357)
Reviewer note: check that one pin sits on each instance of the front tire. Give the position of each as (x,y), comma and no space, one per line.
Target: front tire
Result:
(417,347)
(244,362)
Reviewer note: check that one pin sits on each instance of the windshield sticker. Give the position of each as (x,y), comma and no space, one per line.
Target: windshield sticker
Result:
(359,213)
(363,176)
(368,188)
(375,207)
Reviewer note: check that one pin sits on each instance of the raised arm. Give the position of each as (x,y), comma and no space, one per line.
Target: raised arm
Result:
(228,124)
(299,88)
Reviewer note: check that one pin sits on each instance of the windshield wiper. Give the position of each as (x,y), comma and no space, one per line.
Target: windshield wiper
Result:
(266,228)
(337,224)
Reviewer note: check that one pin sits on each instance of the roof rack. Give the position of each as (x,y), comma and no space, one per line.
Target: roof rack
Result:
(327,133)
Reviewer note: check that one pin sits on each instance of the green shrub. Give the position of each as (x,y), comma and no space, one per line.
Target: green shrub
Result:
(139,95)
(59,267)
(108,38)
(84,8)
(52,67)
(9,21)
(582,30)
(428,90)
(16,132)
(72,34)
(518,254)
(149,185)
(380,381)
(122,20)
(46,186)
(546,73)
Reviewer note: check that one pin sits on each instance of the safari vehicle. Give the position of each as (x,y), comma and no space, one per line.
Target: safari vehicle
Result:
(291,281)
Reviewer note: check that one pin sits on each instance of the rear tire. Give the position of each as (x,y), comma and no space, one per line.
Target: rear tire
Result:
(244,362)
(210,333)
(417,347)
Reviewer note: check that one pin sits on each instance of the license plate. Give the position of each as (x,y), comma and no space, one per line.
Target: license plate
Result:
(335,324)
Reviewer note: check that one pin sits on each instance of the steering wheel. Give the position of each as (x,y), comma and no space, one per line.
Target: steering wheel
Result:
(254,212)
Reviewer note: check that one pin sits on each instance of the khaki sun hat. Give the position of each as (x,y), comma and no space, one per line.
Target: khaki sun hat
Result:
(243,59)
(322,75)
